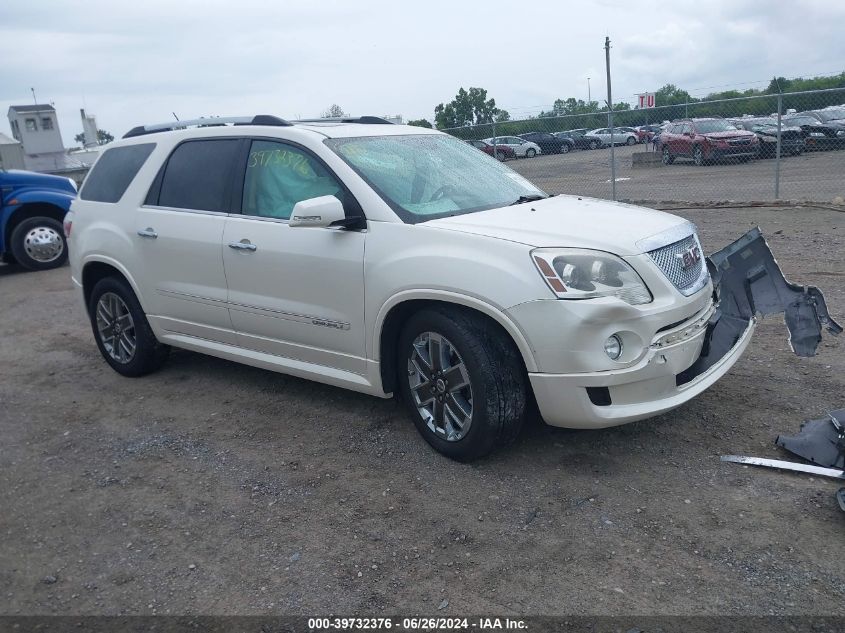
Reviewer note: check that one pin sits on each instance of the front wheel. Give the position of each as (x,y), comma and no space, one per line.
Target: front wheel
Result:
(594,144)
(668,159)
(500,156)
(530,153)
(564,149)
(462,382)
(631,141)
(697,156)
(121,329)
(39,244)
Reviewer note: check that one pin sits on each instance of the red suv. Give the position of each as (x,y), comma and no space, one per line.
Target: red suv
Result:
(707,140)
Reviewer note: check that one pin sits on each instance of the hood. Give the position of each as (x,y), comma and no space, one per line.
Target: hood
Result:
(20,179)
(567,221)
(729,134)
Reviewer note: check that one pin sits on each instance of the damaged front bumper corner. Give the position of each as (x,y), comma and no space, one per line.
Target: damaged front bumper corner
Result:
(747,283)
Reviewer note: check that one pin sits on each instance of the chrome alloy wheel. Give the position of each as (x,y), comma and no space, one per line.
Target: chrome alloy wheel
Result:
(440,387)
(116,328)
(43,244)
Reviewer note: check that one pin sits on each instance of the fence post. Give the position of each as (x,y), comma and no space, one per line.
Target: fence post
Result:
(610,119)
(777,156)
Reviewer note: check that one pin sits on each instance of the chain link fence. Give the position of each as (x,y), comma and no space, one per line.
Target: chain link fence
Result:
(757,148)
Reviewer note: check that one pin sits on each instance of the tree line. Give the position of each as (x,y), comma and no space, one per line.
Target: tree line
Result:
(472,107)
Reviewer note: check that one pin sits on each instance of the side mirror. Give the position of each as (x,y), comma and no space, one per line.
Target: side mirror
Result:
(319,212)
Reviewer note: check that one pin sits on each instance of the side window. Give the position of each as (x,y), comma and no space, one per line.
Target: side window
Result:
(280,175)
(199,175)
(113,172)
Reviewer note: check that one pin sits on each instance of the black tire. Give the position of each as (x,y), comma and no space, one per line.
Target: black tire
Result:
(22,243)
(500,156)
(697,156)
(148,354)
(564,149)
(594,144)
(495,375)
(530,153)
(668,159)
(631,141)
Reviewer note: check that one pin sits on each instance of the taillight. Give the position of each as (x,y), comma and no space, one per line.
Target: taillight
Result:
(68,224)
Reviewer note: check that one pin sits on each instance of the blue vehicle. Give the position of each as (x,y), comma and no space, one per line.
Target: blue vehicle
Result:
(32,210)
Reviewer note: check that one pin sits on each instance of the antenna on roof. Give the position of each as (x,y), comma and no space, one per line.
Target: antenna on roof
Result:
(34,100)
(174,116)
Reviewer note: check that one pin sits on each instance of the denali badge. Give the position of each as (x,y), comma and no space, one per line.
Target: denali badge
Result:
(689,257)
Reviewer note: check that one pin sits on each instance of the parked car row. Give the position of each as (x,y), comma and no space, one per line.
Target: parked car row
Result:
(701,140)
(705,140)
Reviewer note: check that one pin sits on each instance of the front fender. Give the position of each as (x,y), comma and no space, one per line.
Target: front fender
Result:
(444,296)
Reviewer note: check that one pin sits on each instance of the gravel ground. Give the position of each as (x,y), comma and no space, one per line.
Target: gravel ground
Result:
(211,487)
(814,176)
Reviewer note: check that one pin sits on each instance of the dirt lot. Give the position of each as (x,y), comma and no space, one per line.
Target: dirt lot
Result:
(818,176)
(211,487)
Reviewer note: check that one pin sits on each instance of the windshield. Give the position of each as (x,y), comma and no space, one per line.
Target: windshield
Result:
(802,120)
(426,176)
(716,125)
(830,115)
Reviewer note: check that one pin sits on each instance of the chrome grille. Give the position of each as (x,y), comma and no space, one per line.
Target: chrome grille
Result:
(670,260)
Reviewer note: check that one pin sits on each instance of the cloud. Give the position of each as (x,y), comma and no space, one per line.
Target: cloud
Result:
(132,64)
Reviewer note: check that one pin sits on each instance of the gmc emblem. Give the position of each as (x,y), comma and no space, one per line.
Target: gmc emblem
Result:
(689,257)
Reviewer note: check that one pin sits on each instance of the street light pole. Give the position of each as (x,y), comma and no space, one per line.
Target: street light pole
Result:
(589,98)
(610,119)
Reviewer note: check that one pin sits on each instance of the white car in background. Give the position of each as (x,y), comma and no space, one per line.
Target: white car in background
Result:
(604,137)
(394,259)
(520,147)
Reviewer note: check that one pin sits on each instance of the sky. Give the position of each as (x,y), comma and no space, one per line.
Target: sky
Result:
(136,62)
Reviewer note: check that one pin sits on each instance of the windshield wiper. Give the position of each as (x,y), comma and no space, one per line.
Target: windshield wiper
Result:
(530,198)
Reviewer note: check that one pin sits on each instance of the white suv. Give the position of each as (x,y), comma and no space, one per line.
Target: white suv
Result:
(385,258)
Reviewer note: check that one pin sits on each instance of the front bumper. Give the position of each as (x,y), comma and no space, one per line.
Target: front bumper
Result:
(737,151)
(683,360)
(645,390)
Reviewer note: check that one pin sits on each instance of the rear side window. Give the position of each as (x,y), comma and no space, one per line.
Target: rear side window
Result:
(199,174)
(112,174)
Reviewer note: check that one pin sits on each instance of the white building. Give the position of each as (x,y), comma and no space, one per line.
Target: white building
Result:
(37,128)
(11,153)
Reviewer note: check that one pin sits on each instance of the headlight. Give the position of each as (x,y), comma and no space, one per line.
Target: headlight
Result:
(714,140)
(840,133)
(584,274)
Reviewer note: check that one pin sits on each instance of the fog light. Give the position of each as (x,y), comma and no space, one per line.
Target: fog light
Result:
(613,347)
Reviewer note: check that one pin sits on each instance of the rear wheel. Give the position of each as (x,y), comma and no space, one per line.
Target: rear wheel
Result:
(121,329)
(39,244)
(530,153)
(668,159)
(462,382)
(594,144)
(564,149)
(631,141)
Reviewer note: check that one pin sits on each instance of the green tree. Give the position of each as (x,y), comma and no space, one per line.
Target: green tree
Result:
(670,94)
(469,107)
(333,111)
(421,123)
(103,137)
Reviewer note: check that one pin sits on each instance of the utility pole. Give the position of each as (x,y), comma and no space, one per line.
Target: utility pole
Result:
(589,98)
(610,119)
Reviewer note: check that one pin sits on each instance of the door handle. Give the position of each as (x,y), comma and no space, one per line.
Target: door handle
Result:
(148,232)
(243,245)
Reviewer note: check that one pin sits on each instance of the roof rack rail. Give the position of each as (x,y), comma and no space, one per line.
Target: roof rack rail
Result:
(258,119)
(372,120)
